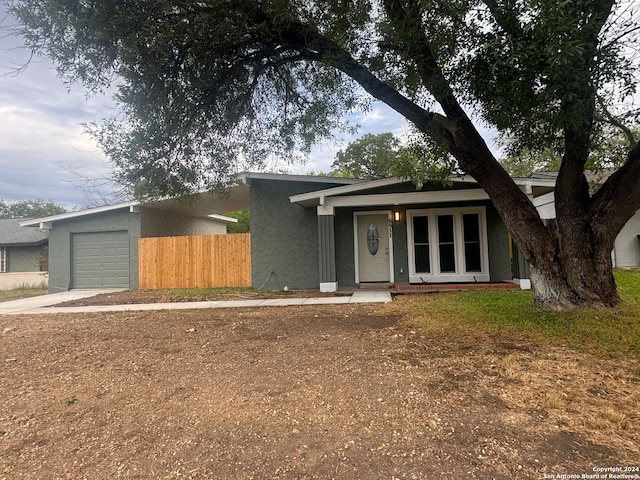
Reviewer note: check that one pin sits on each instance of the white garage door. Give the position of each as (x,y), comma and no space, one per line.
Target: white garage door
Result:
(100,259)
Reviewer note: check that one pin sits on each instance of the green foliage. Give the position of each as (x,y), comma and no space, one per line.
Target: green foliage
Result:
(615,331)
(609,152)
(30,209)
(211,88)
(369,157)
(384,155)
(243,221)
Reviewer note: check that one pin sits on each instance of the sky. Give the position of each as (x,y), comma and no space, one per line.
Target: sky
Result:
(45,154)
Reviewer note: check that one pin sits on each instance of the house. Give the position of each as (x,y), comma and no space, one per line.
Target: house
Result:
(23,254)
(98,247)
(626,248)
(308,232)
(329,233)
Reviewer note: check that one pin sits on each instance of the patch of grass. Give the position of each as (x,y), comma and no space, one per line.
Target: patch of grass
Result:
(18,293)
(613,331)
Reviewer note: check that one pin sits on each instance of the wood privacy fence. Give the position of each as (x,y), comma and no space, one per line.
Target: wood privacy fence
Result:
(196,261)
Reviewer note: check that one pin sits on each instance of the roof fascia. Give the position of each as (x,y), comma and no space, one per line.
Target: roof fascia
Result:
(222,218)
(47,221)
(329,192)
(248,177)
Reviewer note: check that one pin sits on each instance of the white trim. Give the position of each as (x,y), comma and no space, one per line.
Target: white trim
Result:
(325,210)
(313,198)
(355,241)
(222,218)
(78,213)
(459,275)
(328,287)
(440,196)
(363,185)
(525,283)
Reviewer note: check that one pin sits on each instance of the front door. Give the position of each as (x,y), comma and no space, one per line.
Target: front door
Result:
(373,248)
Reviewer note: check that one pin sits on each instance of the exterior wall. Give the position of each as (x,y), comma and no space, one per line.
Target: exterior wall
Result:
(159,223)
(497,239)
(626,249)
(284,236)
(26,259)
(60,244)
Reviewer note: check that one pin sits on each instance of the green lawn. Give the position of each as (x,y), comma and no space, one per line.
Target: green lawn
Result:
(609,331)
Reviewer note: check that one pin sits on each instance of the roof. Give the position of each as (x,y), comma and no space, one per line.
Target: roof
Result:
(318,197)
(12,235)
(597,177)
(205,205)
(202,207)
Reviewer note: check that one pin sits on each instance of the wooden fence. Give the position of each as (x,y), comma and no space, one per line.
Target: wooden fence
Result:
(196,261)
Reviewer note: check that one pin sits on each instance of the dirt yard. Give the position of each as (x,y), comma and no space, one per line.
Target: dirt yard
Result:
(344,392)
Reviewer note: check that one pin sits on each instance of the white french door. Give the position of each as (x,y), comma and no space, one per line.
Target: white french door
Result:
(447,245)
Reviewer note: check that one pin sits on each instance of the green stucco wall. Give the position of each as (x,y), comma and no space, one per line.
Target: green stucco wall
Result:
(497,238)
(60,243)
(284,236)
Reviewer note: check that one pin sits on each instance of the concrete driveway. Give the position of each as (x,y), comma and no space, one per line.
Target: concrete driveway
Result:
(45,303)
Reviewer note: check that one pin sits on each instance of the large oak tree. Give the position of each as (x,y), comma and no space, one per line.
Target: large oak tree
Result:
(205,84)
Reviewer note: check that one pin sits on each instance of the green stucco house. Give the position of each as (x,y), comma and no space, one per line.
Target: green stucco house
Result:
(307,232)
(330,233)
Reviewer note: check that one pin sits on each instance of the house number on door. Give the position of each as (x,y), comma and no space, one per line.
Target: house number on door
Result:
(373,239)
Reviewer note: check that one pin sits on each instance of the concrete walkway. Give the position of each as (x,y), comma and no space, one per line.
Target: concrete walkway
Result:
(45,303)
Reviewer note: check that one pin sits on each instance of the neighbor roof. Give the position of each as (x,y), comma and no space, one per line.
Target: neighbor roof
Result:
(598,177)
(11,235)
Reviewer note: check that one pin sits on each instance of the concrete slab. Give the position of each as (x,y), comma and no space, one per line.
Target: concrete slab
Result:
(33,303)
(44,303)
(370,296)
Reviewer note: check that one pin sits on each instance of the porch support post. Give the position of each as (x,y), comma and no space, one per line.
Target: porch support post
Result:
(327,249)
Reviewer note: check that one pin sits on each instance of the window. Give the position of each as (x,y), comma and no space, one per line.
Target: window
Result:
(421,244)
(447,245)
(4,259)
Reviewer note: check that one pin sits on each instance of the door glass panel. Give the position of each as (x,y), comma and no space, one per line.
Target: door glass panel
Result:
(472,256)
(373,239)
(446,246)
(421,244)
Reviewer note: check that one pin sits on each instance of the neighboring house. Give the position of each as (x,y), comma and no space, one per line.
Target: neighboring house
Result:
(626,248)
(98,247)
(21,250)
(23,254)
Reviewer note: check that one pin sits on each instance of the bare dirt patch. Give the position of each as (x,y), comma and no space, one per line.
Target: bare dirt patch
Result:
(314,392)
(130,297)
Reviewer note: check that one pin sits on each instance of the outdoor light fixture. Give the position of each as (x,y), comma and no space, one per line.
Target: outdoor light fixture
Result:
(396,216)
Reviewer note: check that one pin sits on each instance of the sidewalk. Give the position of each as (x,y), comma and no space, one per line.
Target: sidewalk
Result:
(45,303)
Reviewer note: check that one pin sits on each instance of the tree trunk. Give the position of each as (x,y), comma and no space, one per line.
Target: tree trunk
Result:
(585,282)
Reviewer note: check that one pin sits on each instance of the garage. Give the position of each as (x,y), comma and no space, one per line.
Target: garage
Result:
(100,259)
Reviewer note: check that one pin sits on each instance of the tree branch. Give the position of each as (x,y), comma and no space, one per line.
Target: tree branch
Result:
(609,118)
